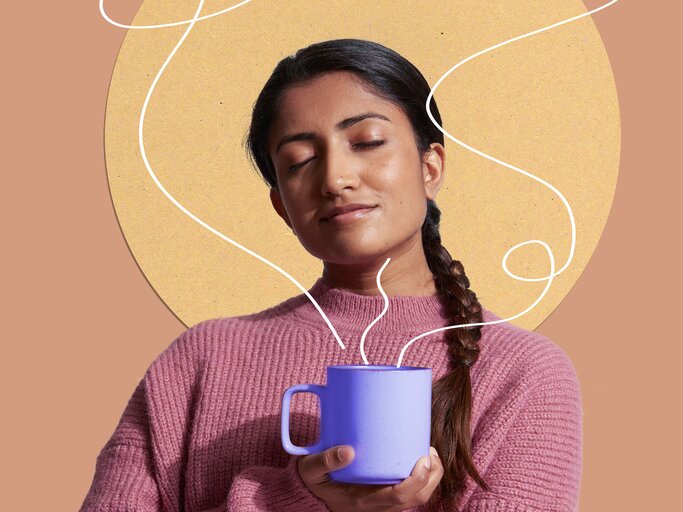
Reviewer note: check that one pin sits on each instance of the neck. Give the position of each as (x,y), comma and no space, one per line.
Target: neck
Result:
(407,274)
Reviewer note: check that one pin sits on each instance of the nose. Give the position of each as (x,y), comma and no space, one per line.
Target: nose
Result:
(338,173)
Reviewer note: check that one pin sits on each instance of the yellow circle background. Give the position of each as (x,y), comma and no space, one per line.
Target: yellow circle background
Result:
(547,104)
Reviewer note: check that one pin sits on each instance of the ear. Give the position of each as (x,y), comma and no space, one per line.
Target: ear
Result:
(276,200)
(433,169)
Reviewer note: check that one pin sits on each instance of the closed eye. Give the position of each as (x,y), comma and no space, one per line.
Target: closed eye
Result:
(358,145)
(294,167)
(372,144)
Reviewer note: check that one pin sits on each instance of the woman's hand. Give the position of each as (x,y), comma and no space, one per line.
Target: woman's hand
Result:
(411,492)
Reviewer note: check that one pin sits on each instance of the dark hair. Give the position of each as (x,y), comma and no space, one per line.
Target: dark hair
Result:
(395,79)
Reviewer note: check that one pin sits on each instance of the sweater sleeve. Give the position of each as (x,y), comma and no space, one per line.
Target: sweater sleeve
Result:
(261,488)
(537,466)
(124,478)
(140,467)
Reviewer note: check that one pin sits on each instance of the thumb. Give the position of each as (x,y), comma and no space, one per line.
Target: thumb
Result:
(317,465)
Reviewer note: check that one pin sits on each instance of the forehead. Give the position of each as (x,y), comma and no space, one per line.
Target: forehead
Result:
(321,103)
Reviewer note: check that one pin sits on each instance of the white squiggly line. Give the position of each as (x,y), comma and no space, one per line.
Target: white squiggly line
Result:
(549,278)
(174,24)
(386,307)
(552,274)
(551,257)
(185,210)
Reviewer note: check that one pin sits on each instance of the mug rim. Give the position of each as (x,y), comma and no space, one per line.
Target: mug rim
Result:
(376,367)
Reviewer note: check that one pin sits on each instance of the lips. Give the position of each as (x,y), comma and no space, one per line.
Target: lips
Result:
(346,209)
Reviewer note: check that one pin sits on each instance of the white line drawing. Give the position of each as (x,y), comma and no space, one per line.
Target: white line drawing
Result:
(549,278)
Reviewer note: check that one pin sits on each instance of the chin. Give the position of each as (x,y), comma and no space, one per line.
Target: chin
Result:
(352,255)
(349,248)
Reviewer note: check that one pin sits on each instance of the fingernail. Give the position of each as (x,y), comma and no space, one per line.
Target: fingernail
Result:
(343,452)
(432,451)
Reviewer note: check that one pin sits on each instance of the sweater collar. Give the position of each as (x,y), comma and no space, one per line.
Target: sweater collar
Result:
(351,311)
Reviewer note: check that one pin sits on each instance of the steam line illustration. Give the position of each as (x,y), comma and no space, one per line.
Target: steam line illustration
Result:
(551,256)
(141,125)
(549,278)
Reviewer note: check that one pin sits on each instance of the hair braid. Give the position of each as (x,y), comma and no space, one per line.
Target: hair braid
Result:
(452,394)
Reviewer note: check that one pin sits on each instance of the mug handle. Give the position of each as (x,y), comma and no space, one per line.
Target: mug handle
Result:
(287,444)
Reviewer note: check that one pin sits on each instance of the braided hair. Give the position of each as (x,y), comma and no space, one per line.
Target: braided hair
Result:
(392,77)
(452,394)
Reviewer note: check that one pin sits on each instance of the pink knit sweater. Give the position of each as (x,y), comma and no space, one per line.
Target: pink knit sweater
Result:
(201,431)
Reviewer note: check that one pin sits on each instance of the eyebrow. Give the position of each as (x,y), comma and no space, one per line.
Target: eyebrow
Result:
(341,125)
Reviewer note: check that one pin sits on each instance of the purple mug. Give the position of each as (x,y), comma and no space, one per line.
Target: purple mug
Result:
(384,412)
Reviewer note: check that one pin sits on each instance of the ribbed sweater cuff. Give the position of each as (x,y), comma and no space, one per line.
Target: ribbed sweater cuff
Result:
(123,481)
(499,505)
(260,488)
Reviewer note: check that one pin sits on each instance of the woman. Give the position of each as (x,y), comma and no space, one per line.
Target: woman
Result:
(354,164)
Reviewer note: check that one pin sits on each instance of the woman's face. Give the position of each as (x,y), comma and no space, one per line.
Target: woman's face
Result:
(335,144)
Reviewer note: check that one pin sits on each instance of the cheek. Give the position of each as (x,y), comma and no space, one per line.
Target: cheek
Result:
(302,210)
(398,180)
(296,194)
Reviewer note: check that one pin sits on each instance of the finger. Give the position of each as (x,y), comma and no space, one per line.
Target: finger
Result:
(435,459)
(316,466)
(404,493)
(435,475)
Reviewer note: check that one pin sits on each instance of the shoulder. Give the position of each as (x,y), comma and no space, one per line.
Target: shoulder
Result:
(523,380)
(516,358)
(185,354)
(527,420)
(200,341)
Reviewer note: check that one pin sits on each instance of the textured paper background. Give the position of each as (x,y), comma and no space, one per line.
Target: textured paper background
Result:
(82,323)
(547,104)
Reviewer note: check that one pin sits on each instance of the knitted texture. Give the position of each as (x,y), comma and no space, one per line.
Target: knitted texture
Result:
(201,431)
